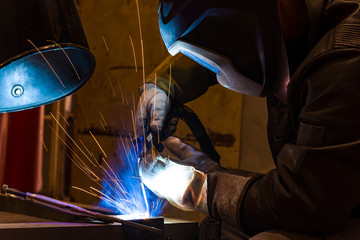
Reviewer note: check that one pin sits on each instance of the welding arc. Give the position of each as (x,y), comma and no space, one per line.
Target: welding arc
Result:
(47,201)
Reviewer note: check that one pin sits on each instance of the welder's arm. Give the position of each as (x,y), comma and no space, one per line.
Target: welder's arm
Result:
(182,77)
(316,183)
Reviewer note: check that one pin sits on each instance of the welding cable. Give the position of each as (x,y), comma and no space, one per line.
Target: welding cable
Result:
(50,202)
(193,122)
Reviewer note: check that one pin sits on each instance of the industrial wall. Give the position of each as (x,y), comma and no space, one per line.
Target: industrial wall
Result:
(124,37)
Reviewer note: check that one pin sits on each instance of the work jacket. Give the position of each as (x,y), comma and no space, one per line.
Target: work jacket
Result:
(314,136)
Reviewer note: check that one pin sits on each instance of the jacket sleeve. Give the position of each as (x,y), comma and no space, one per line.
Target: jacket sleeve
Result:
(316,183)
(182,78)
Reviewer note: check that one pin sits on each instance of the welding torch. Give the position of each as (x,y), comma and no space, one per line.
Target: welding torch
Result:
(51,202)
(192,121)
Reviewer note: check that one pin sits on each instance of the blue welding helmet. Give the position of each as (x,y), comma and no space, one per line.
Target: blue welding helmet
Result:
(241,41)
(44,55)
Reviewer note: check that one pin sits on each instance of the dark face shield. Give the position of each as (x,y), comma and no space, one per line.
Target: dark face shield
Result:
(240,41)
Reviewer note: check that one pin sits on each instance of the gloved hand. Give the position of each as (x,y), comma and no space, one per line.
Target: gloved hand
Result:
(153,107)
(183,183)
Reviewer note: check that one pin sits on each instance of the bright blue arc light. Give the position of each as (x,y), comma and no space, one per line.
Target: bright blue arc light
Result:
(127,191)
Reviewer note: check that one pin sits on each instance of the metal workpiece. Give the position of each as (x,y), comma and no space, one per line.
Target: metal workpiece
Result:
(173,230)
(58,220)
(48,202)
(44,54)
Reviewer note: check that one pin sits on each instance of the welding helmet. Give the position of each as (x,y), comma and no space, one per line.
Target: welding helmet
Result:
(44,54)
(240,40)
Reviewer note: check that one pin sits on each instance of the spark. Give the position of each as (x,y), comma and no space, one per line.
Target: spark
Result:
(105,43)
(111,85)
(134,102)
(37,49)
(122,121)
(118,143)
(117,188)
(158,130)
(102,117)
(88,192)
(72,140)
(121,91)
(102,125)
(133,122)
(81,142)
(133,50)
(62,92)
(143,60)
(141,40)
(44,144)
(168,96)
(126,151)
(63,118)
(155,94)
(67,56)
(84,167)
(102,150)
(105,196)
(64,142)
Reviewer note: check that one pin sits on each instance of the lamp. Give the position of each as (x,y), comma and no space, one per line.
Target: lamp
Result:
(44,54)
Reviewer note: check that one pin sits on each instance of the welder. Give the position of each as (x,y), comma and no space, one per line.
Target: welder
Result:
(304,57)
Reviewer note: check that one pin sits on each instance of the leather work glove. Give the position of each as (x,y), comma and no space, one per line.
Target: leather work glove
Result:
(152,109)
(183,183)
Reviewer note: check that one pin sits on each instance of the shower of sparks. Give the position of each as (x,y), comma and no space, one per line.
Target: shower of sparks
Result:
(115,179)
(116,183)
(42,55)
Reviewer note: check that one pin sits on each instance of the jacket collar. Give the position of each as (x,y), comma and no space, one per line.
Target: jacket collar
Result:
(315,9)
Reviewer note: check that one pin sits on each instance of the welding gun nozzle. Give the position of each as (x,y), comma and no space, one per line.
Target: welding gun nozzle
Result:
(4,189)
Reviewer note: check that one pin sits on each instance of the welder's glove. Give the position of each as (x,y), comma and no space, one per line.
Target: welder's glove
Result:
(183,183)
(190,155)
(153,107)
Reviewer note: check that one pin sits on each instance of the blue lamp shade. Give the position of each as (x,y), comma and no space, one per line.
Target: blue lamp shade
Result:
(44,54)
(43,77)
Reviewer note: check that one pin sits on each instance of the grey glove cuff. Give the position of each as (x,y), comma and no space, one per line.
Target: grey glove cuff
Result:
(226,191)
(148,86)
